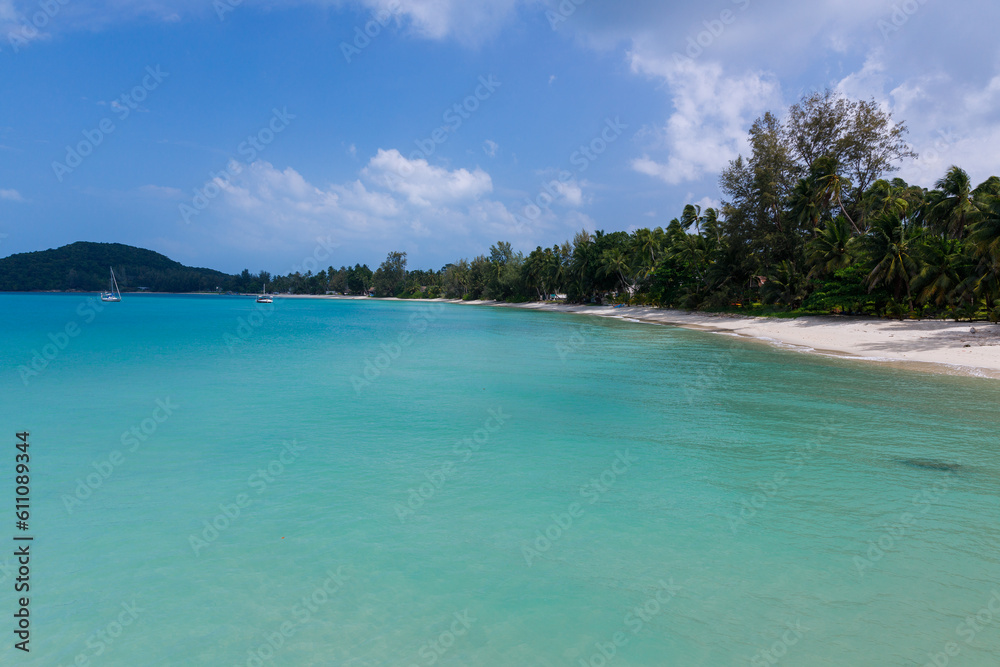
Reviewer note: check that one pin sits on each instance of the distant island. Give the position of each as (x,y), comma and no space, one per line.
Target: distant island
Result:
(84,266)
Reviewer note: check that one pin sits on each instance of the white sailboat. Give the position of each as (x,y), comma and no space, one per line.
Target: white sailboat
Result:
(115,294)
(264,297)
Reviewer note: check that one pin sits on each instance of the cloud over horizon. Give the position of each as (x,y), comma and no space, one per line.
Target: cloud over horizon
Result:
(692,79)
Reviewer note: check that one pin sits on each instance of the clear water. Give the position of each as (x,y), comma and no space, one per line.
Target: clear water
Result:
(707,501)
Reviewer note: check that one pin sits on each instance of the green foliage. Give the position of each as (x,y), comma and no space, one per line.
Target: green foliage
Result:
(830,250)
(844,293)
(358,280)
(84,266)
(390,278)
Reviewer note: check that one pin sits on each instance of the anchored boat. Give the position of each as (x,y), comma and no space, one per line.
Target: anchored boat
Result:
(115,294)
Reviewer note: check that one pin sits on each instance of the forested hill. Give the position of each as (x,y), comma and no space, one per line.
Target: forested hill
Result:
(84,266)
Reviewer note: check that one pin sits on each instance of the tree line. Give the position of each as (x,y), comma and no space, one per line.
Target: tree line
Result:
(810,223)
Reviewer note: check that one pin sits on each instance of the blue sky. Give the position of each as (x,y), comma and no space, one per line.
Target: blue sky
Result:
(245,134)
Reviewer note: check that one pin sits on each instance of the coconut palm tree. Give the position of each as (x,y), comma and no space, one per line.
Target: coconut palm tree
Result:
(885,197)
(893,247)
(615,262)
(940,278)
(582,265)
(986,232)
(953,206)
(830,250)
(985,236)
(987,286)
(785,284)
(804,205)
(647,246)
(830,185)
(690,216)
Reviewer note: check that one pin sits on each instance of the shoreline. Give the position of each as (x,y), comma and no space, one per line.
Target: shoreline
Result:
(936,346)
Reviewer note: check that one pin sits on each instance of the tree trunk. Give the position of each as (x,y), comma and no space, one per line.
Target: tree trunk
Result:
(844,211)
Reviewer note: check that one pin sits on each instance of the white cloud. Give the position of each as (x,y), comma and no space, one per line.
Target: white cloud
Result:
(405,204)
(558,187)
(868,82)
(424,184)
(469,22)
(16,27)
(712,112)
(570,192)
(707,203)
(650,167)
(985,100)
(433,213)
(25,21)
(953,117)
(490,147)
(11,195)
(950,122)
(940,66)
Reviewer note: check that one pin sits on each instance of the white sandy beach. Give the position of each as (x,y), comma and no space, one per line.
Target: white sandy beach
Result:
(929,345)
(932,345)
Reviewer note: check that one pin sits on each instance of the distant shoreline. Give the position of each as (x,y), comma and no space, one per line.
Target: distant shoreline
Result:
(928,345)
(936,346)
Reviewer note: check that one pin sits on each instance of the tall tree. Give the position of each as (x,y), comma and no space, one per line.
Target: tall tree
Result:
(390,278)
(756,189)
(874,145)
(830,250)
(893,247)
(817,125)
(830,185)
(952,206)
(860,135)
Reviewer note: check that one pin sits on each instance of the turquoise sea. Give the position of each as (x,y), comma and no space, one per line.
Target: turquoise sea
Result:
(320,482)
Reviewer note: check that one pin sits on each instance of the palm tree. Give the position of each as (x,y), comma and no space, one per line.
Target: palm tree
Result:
(615,262)
(581,266)
(953,206)
(893,247)
(693,254)
(699,258)
(830,185)
(987,286)
(804,205)
(986,233)
(785,284)
(986,190)
(647,245)
(985,236)
(940,278)
(690,216)
(710,226)
(536,273)
(830,250)
(885,197)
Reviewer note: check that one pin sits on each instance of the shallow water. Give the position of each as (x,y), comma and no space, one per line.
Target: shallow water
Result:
(437,484)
